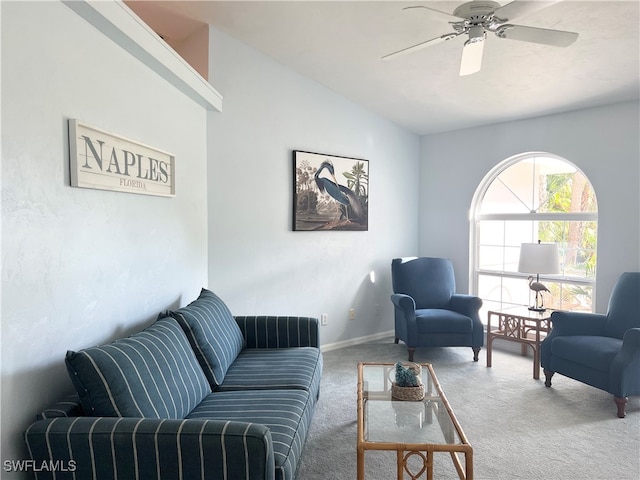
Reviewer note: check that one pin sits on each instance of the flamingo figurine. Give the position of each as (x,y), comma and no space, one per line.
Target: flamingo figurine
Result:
(538,288)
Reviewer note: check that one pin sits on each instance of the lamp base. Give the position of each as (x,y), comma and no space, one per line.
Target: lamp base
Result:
(537,309)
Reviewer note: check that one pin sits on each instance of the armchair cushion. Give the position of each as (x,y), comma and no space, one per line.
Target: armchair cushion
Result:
(436,320)
(152,374)
(591,351)
(213,334)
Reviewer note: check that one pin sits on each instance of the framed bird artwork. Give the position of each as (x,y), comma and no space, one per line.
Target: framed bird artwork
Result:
(330,192)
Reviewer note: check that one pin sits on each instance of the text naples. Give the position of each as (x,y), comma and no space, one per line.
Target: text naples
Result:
(123,162)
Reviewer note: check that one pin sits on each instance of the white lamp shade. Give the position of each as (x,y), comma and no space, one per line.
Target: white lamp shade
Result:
(539,258)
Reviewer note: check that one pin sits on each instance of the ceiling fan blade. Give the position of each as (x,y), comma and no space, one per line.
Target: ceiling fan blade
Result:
(431,9)
(545,36)
(419,46)
(518,8)
(471,58)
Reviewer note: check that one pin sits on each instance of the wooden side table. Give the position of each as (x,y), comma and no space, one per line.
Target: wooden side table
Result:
(521,325)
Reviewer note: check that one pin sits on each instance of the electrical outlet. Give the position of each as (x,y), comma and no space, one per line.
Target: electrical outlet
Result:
(323,319)
(352,314)
(377,309)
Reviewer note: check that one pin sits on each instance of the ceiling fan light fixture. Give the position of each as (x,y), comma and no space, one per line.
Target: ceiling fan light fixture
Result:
(476,34)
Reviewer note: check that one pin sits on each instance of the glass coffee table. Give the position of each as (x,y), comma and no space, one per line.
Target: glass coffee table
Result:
(416,430)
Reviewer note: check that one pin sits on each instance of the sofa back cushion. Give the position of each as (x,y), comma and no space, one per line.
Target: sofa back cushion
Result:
(153,374)
(213,334)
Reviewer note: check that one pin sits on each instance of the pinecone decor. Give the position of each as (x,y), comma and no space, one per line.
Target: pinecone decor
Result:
(405,377)
(408,384)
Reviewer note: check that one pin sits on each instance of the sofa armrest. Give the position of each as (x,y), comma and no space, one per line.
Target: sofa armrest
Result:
(279,331)
(123,448)
(406,326)
(70,406)
(631,341)
(468,305)
(405,304)
(577,323)
(630,351)
(624,373)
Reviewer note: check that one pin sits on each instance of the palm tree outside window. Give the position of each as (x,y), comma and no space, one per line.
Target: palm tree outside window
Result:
(531,197)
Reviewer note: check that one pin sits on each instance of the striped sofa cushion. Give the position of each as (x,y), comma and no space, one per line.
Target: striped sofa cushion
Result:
(283,368)
(213,334)
(152,374)
(286,413)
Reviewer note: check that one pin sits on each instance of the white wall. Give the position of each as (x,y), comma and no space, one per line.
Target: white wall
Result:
(79,266)
(603,142)
(256,262)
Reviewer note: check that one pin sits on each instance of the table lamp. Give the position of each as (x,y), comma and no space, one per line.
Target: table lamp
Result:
(538,258)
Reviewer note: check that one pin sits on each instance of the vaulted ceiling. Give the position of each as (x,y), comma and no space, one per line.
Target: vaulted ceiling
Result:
(340,45)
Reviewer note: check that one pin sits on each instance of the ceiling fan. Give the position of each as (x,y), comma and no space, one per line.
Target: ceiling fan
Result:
(477,17)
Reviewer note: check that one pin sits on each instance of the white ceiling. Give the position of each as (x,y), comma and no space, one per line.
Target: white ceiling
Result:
(340,45)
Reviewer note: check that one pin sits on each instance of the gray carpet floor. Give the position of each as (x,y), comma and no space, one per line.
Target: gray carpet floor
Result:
(518,428)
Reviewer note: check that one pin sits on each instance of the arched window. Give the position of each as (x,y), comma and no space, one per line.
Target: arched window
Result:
(526,198)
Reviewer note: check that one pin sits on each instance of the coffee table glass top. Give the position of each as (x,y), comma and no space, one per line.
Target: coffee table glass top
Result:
(427,421)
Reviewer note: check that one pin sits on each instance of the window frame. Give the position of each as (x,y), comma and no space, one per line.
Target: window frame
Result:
(475,217)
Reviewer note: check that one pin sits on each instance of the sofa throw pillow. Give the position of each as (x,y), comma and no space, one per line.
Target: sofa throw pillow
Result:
(153,373)
(213,333)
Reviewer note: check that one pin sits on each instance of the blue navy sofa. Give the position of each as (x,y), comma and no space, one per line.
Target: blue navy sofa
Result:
(199,394)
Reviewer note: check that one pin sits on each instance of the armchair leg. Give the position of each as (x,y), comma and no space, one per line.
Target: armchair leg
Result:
(621,403)
(411,351)
(547,377)
(476,353)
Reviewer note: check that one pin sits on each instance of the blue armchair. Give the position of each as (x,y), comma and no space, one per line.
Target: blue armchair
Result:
(428,312)
(600,350)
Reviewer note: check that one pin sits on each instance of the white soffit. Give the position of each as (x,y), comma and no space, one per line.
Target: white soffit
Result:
(120,24)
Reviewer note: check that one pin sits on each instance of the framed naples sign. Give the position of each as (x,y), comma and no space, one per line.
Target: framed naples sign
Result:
(104,161)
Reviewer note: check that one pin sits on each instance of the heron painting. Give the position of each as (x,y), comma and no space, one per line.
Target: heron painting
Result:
(330,192)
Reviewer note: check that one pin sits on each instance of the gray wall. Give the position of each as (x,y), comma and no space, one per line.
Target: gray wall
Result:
(602,142)
(256,262)
(80,266)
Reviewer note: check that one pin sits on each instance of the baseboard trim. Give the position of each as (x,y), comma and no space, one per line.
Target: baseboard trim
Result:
(504,346)
(356,341)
